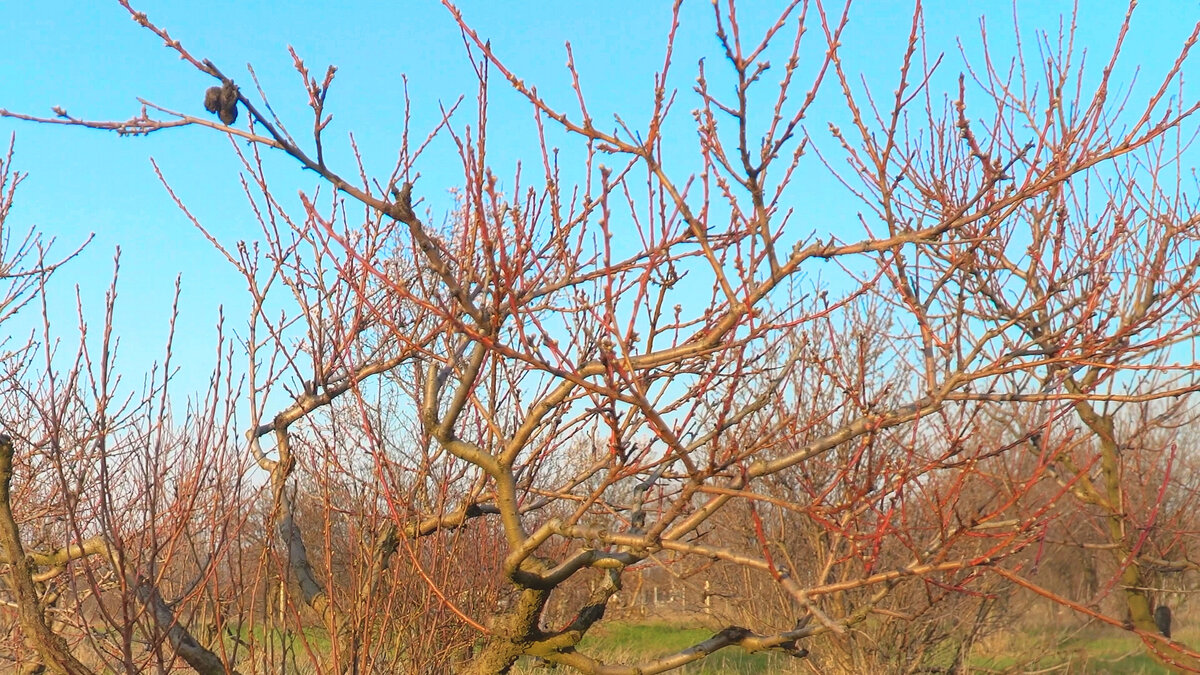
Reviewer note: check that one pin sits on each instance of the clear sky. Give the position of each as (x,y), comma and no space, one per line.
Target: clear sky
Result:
(90,58)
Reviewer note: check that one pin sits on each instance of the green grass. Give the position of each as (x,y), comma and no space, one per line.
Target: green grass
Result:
(631,643)
(1096,651)
(315,636)
(1093,652)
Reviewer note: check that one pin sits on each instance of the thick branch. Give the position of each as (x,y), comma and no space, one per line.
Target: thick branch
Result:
(50,647)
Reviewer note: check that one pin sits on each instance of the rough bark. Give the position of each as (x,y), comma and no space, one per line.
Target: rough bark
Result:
(197,656)
(51,648)
(512,634)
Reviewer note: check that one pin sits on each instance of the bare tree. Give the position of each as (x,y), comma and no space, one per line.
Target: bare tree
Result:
(449,428)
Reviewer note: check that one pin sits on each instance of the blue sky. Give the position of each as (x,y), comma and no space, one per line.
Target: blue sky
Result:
(90,58)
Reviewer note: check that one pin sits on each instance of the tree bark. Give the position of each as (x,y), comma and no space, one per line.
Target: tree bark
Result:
(51,648)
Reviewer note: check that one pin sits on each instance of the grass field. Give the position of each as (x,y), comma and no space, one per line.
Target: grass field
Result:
(1091,652)
(629,643)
